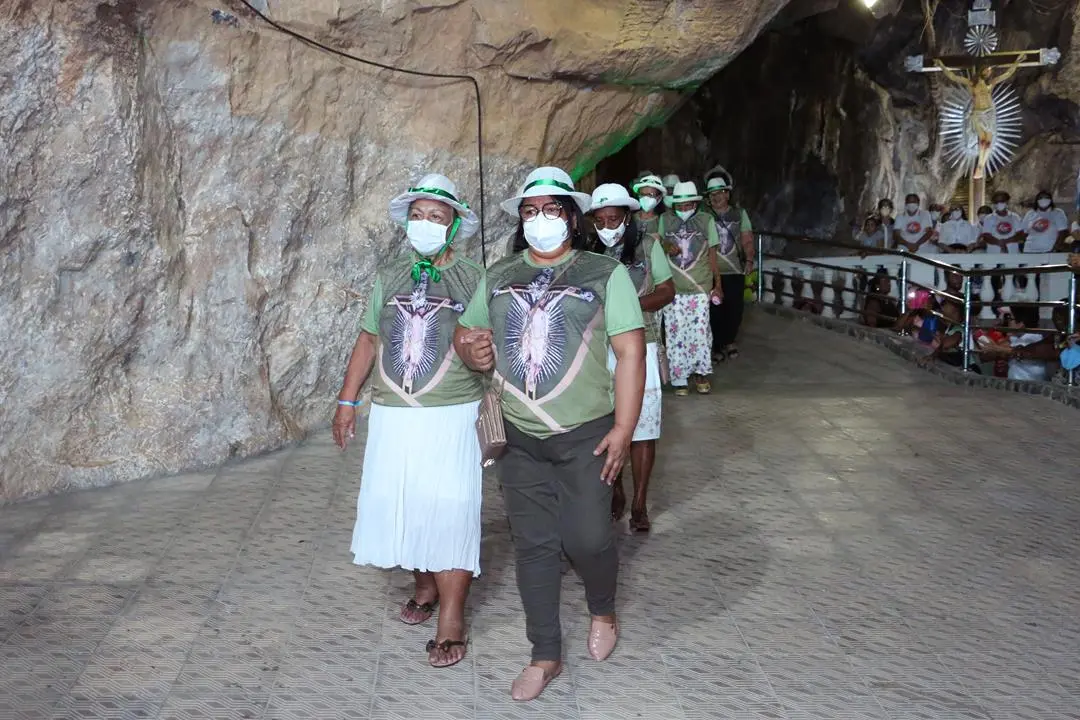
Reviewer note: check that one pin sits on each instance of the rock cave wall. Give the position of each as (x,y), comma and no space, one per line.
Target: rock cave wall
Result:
(817,119)
(192,206)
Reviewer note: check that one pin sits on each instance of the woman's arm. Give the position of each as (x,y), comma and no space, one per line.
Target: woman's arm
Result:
(629,349)
(660,297)
(360,363)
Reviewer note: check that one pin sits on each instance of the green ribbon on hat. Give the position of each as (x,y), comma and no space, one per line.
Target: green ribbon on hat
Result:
(437,191)
(681,198)
(547,181)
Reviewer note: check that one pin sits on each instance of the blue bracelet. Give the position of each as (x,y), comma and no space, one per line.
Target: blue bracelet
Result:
(350,403)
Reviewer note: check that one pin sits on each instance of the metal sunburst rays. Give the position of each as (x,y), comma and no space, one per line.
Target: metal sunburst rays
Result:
(981,40)
(961,143)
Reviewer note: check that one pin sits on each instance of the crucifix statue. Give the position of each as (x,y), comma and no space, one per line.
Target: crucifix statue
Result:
(980,120)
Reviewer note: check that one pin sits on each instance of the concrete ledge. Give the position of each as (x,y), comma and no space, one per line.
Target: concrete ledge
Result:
(1069,397)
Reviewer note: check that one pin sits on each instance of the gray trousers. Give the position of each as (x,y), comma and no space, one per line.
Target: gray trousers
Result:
(556,501)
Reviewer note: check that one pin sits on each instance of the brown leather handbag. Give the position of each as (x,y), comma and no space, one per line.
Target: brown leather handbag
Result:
(490,430)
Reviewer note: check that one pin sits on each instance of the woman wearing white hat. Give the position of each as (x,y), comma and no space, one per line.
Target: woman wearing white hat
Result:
(545,320)
(735,257)
(420,509)
(690,241)
(650,193)
(618,236)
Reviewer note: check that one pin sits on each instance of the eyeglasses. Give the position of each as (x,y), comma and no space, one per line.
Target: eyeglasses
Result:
(552,211)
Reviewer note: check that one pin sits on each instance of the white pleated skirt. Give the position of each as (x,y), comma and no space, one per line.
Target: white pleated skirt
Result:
(419,503)
(648,425)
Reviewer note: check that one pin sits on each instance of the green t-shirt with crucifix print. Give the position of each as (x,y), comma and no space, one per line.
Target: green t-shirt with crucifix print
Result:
(649,269)
(730,225)
(416,365)
(552,326)
(687,247)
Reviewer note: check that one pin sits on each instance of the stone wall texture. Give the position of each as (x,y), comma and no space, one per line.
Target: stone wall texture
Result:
(192,205)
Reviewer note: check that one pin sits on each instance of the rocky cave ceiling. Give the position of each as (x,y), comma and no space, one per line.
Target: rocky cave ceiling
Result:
(192,205)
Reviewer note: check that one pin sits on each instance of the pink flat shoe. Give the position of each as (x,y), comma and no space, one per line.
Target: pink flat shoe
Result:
(602,638)
(531,682)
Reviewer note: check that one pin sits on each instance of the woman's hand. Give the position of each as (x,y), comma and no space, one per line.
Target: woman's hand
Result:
(344,427)
(717,294)
(617,446)
(477,349)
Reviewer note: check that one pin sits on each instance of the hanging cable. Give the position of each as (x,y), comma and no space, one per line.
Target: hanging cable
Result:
(444,76)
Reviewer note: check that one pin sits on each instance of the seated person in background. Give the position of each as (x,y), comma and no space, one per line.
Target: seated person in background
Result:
(1002,230)
(956,234)
(1030,351)
(947,345)
(872,235)
(1045,226)
(914,228)
(880,310)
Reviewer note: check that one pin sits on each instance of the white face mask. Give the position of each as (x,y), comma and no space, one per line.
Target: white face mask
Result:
(955,215)
(1000,207)
(648,202)
(1044,203)
(610,237)
(426,237)
(935,215)
(544,234)
(685,215)
(912,208)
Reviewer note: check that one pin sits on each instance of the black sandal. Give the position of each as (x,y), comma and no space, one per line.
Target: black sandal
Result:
(733,352)
(428,609)
(639,521)
(445,646)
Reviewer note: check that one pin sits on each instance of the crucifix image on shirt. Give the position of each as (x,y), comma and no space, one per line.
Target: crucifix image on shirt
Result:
(536,327)
(415,332)
(684,242)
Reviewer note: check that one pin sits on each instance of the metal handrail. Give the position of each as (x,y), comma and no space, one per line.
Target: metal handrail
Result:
(968,275)
(864,251)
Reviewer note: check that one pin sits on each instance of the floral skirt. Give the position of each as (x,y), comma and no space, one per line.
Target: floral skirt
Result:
(689,337)
(648,424)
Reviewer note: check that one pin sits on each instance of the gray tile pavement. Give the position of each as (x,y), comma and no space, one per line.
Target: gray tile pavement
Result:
(836,535)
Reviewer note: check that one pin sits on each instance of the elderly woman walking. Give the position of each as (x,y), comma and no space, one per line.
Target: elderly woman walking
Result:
(545,320)
(420,510)
(690,240)
(735,258)
(618,236)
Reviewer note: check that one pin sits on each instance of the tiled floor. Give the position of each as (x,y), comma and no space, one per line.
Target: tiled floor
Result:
(837,535)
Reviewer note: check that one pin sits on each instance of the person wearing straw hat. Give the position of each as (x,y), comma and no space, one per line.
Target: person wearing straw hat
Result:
(545,320)
(735,257)
(420,509)
(617,236)
(690,240)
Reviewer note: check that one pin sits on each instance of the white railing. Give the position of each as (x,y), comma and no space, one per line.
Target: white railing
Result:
(838,283)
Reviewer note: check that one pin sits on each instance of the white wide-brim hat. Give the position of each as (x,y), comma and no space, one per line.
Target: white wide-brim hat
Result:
(440,188)
(613,195)
(685,192)
(718,183)
(671,180)
(649,181)
(546,181)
